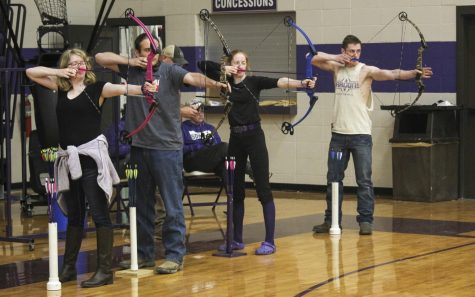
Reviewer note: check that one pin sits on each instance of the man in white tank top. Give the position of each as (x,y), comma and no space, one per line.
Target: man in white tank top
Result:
(351,125)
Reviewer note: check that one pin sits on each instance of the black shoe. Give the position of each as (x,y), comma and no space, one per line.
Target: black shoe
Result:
(71,251)
(68,273)
(366,228)
(323,228)
(141,264)
(100,278)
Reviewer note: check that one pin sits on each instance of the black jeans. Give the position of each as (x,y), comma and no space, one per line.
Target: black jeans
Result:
(87,188)
(210,159)
(253,144)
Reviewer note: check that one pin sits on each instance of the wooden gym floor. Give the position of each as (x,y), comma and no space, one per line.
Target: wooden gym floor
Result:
(417,249)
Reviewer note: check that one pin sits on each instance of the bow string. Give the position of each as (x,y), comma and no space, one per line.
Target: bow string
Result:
(287,127)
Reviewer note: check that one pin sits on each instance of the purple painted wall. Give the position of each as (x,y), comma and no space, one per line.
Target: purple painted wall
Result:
(441,56)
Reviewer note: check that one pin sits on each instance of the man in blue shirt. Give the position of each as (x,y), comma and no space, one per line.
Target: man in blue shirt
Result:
(201,155)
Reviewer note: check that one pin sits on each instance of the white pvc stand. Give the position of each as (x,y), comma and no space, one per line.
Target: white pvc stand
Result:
(53,282)
(134,267)
(336,259)
(53,293)
(134,287)
(335,227)
(133,239)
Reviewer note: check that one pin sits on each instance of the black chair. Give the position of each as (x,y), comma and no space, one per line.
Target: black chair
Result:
(198,178)
(118,202)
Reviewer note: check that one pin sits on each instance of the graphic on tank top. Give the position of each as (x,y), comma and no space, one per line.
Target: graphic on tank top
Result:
(346,86)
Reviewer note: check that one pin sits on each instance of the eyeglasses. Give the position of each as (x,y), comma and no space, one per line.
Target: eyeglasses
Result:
(237,63)
(75,64)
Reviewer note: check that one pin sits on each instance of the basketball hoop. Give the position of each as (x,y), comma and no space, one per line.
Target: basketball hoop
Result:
(52,12)
(52,36)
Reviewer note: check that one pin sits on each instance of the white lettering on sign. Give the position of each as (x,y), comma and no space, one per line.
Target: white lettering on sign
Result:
(243,4)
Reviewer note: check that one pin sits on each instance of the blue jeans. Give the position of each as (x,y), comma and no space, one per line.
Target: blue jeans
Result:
(360,146)
(160,168)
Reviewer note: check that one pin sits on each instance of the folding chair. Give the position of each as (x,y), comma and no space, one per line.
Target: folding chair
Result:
(117,204)
(198,178)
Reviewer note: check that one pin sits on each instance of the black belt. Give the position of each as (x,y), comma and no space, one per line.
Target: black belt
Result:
(245,128)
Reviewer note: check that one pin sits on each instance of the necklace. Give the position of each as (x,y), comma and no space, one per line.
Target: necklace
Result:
(83,87)
(92,102)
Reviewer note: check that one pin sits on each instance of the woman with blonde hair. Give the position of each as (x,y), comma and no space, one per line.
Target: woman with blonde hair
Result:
(90,178)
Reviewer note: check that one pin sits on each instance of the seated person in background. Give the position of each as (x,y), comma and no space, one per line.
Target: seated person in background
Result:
(121,150)
(173,54)
(199,155)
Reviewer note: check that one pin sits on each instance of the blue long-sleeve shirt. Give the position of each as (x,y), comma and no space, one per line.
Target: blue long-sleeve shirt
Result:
(193,135)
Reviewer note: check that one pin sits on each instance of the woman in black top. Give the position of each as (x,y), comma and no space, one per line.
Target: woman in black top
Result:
(248,139)
(80,99)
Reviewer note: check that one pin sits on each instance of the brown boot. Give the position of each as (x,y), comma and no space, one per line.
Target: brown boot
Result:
(103,275)
(73,245)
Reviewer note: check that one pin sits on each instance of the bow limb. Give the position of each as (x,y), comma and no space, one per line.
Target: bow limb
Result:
(420,84)
(290,23)
(129,13)
(205,17)
(287,127)
(153,46)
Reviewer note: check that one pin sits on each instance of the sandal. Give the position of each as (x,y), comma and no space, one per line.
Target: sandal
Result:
(266,249)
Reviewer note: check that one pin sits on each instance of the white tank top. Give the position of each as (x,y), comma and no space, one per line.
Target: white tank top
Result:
(351,109)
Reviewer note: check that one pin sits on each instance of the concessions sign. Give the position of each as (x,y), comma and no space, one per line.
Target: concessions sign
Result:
(243,5)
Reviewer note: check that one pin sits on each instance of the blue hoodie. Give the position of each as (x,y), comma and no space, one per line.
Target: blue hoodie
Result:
(193,135)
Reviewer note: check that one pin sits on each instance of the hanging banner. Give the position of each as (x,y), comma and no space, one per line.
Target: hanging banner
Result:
(243,5)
